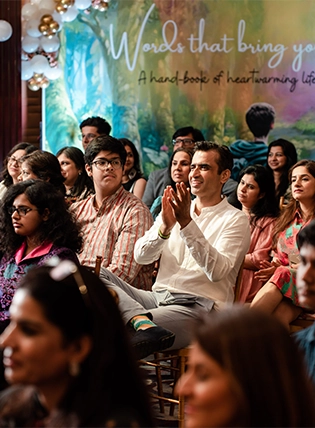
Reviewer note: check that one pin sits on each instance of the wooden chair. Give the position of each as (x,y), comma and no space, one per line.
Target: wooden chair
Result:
(175,362)
(97,267)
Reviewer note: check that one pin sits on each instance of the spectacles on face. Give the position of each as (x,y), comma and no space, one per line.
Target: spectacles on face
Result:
(102,164)
(88,137)
(13,159)
(186,142)
(22,211)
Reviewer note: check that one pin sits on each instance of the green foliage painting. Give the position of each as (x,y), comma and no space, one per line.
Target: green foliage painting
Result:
(150,67)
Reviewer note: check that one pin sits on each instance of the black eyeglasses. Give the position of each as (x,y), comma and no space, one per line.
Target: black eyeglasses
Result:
(102,164)
(22,211)
(186,142)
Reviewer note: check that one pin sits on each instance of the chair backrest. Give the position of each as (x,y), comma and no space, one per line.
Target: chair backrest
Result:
(97,267)
(237,288)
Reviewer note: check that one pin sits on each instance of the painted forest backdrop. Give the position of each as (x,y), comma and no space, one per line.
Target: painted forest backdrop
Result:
(150,67)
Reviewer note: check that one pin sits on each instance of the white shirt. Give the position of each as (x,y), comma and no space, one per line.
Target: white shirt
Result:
(204,257)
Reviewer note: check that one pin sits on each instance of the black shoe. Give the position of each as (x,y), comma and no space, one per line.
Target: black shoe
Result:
(153,339)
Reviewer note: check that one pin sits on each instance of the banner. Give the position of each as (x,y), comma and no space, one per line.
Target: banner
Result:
(151,67)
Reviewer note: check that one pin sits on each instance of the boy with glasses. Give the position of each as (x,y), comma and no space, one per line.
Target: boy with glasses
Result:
(113,219)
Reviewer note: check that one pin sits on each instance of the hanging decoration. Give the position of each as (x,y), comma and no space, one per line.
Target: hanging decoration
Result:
(42,20)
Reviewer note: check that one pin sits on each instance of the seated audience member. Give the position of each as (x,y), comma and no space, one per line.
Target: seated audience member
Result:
(93,127)
(281,157)
(34,226)
(305,283)
(77,183)
(244,370)
(279,296)
(201,245)
(11,165)
(113,219)
(256,195)
(75,368)
(133,179)
(178,169)
(260,119)
(44,166)
(160,179)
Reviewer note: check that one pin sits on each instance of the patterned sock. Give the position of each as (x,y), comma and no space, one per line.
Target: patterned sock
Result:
(141,322)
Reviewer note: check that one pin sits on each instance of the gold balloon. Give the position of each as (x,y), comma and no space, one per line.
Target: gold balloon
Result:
(54,26)
(103,6)
(43,28)
(44,83)
(46,19)
(37,77)
(60,8)
(67,3)
(33,85)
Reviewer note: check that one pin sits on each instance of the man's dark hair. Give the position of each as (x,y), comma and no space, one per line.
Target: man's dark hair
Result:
(181,132)
(225,160)
(107,144)
(259,119)
(103,127)
(306,235)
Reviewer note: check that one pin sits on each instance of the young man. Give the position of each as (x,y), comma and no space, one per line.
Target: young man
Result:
(260,118)
(93,127)
(201,245)
(113,219)
(305,281)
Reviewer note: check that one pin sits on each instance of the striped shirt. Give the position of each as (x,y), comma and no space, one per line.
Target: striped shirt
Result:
(112,231)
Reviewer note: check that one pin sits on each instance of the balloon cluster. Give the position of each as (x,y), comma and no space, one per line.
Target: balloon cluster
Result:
(42,20)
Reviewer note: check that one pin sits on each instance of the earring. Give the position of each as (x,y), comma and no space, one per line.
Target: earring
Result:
(74,369)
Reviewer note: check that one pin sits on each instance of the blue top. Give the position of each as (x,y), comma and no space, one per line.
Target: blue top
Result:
(306,342)
(247,153)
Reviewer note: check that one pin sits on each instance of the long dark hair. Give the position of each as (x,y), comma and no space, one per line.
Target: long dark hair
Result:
(83,182)
(46,167)
(108,384)
(60,228)
(28,148)
(267,205)
(259,354)
(136,166)
(288,212)
(289,152)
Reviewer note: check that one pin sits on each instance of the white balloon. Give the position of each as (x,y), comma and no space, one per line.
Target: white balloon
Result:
(29,11)
(70,15)
(30,44)
(50,45)
(5,31)
(57,17)
(39,64)
(53,73)
(83,4)
(26,70)
(47,4)
(32,28)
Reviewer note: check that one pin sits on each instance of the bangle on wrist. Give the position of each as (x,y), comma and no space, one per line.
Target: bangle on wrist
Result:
(163,236)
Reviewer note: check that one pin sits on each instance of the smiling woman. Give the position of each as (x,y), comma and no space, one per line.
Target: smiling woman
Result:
(34,226)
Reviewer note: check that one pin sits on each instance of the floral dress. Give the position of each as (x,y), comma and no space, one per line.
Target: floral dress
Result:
(285,276)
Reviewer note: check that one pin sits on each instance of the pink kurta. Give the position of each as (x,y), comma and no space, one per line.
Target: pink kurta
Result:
(259,250)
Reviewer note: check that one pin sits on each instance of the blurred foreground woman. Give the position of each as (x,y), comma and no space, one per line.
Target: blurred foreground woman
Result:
(244,370)
(66,353)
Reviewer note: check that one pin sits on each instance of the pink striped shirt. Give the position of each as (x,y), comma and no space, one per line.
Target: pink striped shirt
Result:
(112,231)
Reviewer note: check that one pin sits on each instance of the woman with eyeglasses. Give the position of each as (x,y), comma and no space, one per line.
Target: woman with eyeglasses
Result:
(133,179)
(11,165)
(34,226)
(67,355)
